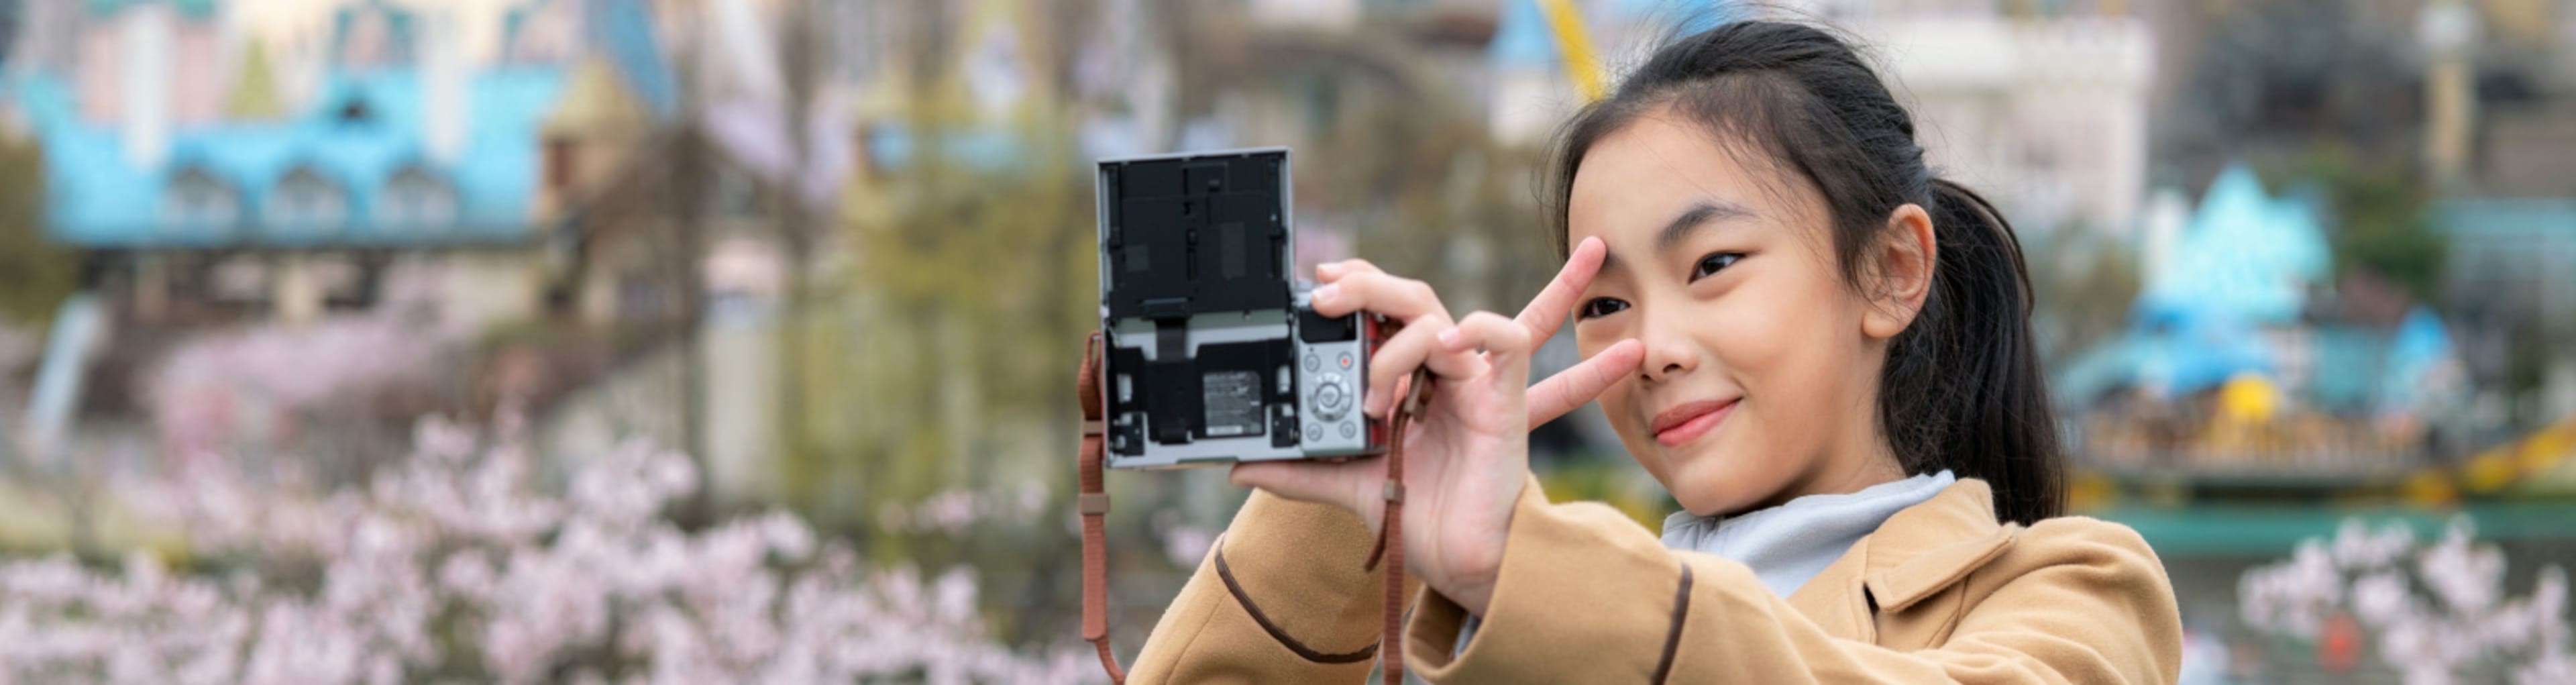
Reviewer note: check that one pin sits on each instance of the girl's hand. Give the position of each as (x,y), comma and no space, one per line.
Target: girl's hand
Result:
(1467,454)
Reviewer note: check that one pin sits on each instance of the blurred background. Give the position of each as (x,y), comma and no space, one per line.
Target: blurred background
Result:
(731,340)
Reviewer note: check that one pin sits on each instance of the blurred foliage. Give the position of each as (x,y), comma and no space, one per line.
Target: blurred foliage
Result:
(943,362)
(947,361)
(2378,213)
(1609,479)
(2530,351)
(35,275)
(2082,284)
(1417,180)
(2267,80)
(254,96)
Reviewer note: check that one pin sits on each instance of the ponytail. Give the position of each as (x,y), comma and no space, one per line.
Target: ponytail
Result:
(1962,388)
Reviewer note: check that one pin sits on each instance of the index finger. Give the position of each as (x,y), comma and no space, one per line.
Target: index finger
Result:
(1547,312)
(1572,388)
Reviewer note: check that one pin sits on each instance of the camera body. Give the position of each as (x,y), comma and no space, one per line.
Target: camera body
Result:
(1213,355)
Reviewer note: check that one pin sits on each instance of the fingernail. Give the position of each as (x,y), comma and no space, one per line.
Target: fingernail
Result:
(1329,269)
(1326,294)
(1449,339)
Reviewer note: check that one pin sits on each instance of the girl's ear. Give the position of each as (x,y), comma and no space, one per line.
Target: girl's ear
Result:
(1900,263)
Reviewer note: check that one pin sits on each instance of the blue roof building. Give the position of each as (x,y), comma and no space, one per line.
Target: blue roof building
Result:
(381,153)
(353,169)
(192,8)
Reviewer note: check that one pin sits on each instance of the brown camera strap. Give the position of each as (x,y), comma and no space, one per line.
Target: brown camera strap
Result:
(1093,503)
(1390,532)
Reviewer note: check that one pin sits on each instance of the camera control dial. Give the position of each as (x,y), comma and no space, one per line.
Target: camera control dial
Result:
(1331,397)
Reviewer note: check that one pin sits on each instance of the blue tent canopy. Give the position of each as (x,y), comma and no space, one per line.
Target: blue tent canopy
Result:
(2245,255)
(2244,264)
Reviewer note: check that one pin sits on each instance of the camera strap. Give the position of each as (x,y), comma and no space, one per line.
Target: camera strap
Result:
(1390,532)
(1093,504)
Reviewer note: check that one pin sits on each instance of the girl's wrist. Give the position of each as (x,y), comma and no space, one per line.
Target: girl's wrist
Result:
(1473,596)
(1472,588)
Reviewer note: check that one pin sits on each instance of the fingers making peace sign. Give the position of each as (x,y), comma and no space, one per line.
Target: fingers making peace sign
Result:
(1467,453)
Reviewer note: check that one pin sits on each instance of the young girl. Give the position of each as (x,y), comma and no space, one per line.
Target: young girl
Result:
(1819,346)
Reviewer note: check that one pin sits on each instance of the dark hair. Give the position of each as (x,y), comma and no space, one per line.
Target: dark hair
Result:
(1962,387)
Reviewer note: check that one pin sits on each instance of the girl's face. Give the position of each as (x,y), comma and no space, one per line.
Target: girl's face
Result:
(1760,377)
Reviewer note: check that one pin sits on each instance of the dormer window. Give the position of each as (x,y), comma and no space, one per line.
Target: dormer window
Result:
(418,200)
(306,201)
(195,201)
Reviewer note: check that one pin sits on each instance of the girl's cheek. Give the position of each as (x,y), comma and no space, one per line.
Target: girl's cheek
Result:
(1615,405)
(1765,325)
(1612,400)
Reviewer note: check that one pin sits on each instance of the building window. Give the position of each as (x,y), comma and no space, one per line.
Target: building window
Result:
(416,200)
(196,202)
(306,201)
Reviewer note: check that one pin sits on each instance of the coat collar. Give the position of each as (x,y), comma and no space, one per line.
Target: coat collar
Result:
(1932,545)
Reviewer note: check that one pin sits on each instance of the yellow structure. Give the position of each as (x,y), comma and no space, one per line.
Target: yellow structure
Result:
(1581,62)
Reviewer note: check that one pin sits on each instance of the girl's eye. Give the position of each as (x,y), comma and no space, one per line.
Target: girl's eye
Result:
(1710,265)
(1599,307)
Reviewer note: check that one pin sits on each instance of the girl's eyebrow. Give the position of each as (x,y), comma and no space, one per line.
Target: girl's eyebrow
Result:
(1701,213)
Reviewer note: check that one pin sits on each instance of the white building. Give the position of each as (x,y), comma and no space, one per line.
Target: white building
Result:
(2048,117)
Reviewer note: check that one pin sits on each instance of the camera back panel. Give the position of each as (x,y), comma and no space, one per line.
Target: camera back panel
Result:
(1205,362)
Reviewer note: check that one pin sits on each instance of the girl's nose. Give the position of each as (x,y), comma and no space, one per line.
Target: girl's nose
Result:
(1669,353)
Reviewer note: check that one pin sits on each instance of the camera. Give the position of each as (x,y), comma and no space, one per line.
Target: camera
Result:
(1213,354)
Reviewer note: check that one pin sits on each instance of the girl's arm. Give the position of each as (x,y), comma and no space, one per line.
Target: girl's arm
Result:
(1289,604)
(1585,595)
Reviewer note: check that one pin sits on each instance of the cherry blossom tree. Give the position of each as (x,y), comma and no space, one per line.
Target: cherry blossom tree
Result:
(2439,611)
(459,563)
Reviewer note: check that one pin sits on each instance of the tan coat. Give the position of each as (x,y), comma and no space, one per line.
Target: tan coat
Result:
(1939,593)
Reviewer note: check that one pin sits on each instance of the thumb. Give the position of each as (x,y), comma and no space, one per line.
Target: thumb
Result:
(1334,483)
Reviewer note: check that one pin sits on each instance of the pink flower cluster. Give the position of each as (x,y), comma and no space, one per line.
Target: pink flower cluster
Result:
(248,387)
(456,564)
(2438,611)
(955,511)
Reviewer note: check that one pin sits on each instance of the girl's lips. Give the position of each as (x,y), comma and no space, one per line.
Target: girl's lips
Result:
(1687,422)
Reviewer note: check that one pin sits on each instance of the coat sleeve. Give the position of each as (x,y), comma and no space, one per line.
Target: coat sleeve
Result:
(1280,598)
(1586,595)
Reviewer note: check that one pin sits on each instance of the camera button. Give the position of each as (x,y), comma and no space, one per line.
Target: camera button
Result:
(1346,360)
(1311,362)
(1350,430)
(1331,397)
(1314,433)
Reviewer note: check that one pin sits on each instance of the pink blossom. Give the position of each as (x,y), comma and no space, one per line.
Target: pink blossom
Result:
(539,585)
(2465,622)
